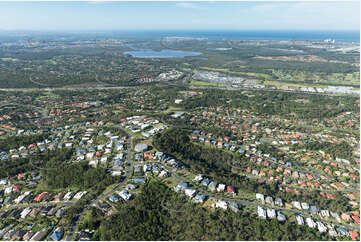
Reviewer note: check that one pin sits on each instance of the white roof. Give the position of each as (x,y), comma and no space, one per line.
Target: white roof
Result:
(79,195)
(321,227)
(162,173)
(221,204)
(221,187)
(259,196)
(261,212)
(8,190)
(299,219)
(310,222)
(116,173)
(25,212)
(190,192)
(198,177)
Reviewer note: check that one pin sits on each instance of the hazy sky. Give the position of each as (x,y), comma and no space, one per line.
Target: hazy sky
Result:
(97,15)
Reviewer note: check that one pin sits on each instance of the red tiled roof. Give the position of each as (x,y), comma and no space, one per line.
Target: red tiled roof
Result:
(230,189)
(354,235)
(40,196)
(148,155)
(356,213)
(17,188)
(21,175)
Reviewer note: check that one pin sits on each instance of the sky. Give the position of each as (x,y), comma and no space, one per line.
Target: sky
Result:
(100,15)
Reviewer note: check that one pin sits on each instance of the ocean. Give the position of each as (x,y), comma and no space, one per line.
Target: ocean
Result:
(339,36)
(302,35)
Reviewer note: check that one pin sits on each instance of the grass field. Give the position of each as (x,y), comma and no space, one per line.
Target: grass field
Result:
(213,69)
(319,78)
(171,108)
(9,59)
(291,84)
(314,79)
(200,83)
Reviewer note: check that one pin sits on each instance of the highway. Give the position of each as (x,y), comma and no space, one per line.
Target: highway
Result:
(102,87)
(49,89)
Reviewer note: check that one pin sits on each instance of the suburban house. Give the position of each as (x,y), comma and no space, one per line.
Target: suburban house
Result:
(206,182)
(38,236)
(140,180)
(212,186)
(230,189)
(200,198)
(305,206)
(299,220)
(260,196)
(125,194)
(261,212)
(280,217)
(278,202)
(234,206)
(311,223)
(198,177)
(190,192)
(269,200)
(68,196)
(114,198)
(271,213)
(58,234)
(321,227)
(221,187)
(25,213)
(296,204)
(60,213)
(40,196)
(221,204)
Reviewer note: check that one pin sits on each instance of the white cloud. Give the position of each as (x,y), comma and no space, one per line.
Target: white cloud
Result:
(264,8)
(187,5)
(327,15)
(196,20)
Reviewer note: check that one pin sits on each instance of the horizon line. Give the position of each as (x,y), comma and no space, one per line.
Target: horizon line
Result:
(72,30)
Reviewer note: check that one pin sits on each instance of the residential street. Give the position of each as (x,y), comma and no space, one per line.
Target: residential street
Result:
(255,204)
(105,195)
(42,204)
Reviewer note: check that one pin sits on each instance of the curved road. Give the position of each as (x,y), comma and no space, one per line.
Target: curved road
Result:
(245,202)
(102,196)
